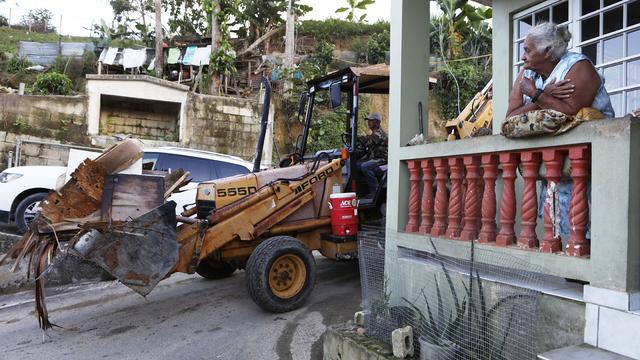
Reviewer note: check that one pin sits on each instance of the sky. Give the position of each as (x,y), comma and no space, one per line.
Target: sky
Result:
(77,16)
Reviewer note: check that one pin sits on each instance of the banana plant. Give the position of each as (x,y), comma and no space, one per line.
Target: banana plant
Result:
(352,7)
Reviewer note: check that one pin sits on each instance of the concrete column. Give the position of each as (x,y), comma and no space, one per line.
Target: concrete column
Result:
(93,110)
(408,85)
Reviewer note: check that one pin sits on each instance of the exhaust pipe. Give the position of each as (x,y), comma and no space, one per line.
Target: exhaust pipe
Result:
(263,124)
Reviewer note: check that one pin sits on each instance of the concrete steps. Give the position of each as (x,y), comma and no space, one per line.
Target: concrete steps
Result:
(580,352)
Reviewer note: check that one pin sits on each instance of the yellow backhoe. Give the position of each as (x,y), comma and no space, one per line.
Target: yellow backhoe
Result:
(266,222)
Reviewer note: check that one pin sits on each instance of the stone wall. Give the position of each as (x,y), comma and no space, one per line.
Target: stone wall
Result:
(41,123)
(226,125)
(47,126)
(154,120)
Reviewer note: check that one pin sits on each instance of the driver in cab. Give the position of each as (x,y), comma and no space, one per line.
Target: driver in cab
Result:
(375,147)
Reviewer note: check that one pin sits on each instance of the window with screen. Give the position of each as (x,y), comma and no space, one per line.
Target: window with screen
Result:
(606,31)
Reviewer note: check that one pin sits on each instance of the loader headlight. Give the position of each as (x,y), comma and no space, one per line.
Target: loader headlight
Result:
(6,177)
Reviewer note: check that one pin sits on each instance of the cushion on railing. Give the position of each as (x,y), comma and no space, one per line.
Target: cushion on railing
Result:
(546,121)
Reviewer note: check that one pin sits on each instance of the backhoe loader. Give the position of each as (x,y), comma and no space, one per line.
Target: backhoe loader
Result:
(266,222)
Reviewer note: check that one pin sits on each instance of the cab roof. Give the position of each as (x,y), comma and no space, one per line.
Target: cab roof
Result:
(373,79)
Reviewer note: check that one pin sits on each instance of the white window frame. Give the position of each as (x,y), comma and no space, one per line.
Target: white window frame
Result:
(574,24)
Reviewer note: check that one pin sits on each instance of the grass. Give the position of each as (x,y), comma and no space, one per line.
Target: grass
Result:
(9,38)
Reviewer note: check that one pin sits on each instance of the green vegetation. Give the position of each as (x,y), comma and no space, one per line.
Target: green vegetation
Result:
(470,80)
(333,29)
(52,83)
(377,47)
(16,65)
(461,37)
(9,38)
(353,6)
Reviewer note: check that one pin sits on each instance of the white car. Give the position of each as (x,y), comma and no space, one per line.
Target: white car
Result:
(23,187)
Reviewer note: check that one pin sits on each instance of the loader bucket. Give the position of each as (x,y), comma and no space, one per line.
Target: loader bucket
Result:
(140,252)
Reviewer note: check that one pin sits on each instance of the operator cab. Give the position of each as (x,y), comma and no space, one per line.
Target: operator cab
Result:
(342,90)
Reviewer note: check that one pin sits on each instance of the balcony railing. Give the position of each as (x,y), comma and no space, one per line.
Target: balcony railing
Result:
(463,204)
(488,190)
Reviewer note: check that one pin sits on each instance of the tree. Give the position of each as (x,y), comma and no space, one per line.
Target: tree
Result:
(131,20)
(461,37)
(457,27)
(353,6)
(159,63)
(378,46)
(257,17)
(38,20)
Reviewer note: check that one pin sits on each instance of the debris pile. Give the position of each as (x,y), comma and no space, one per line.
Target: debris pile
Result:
(99,215)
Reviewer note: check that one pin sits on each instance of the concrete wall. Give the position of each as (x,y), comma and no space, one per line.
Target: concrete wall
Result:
(132,86)
(226,125)
(49,125)
(41,122)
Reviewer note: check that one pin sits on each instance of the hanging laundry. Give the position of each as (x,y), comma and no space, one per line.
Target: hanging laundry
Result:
(132,58)
(174,55)
(110,56)
(189,55)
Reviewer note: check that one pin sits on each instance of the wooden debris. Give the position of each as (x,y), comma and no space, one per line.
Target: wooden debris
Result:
(177,184)
(64,212)
(127,197)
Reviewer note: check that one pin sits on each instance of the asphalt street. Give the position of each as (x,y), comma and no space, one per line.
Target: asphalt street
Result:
(185,317)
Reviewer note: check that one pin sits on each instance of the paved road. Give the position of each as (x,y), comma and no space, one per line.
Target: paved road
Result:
(185,317)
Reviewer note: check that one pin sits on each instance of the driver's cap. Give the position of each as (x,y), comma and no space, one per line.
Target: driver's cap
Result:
(374,116)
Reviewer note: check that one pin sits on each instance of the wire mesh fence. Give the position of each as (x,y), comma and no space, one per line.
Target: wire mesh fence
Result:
(476,305)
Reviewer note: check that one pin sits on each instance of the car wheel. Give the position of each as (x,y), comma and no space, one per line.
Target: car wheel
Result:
(27,210)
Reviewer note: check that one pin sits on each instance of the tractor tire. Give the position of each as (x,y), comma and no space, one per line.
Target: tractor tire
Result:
(27,210)
(281,273)
(214,270)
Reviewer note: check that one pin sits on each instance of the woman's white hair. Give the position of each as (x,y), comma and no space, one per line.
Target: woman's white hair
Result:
(551,36)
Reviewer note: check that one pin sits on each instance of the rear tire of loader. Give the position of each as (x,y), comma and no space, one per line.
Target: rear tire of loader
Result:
(281,273)
(214,270)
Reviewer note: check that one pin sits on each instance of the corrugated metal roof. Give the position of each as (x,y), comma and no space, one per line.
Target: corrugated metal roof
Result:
(45,53)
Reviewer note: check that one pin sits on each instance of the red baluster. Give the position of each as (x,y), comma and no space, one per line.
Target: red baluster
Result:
(553,162)
(414,196)
(427,196)
(529,210)
(455,199)
(507,236)
(440,216)
(490,167)
(578,244)
(472,199)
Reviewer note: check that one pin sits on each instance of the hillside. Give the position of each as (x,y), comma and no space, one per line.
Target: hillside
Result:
(9,38)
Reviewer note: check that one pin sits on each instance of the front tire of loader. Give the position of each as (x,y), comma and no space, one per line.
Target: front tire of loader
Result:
(213,270)
(281,273)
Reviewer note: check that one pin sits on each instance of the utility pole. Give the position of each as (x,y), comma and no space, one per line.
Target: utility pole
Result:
(215,78)
(290,45)
(159,63)
(59,36)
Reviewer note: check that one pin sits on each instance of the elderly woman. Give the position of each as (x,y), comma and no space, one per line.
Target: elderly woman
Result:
(554,78)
